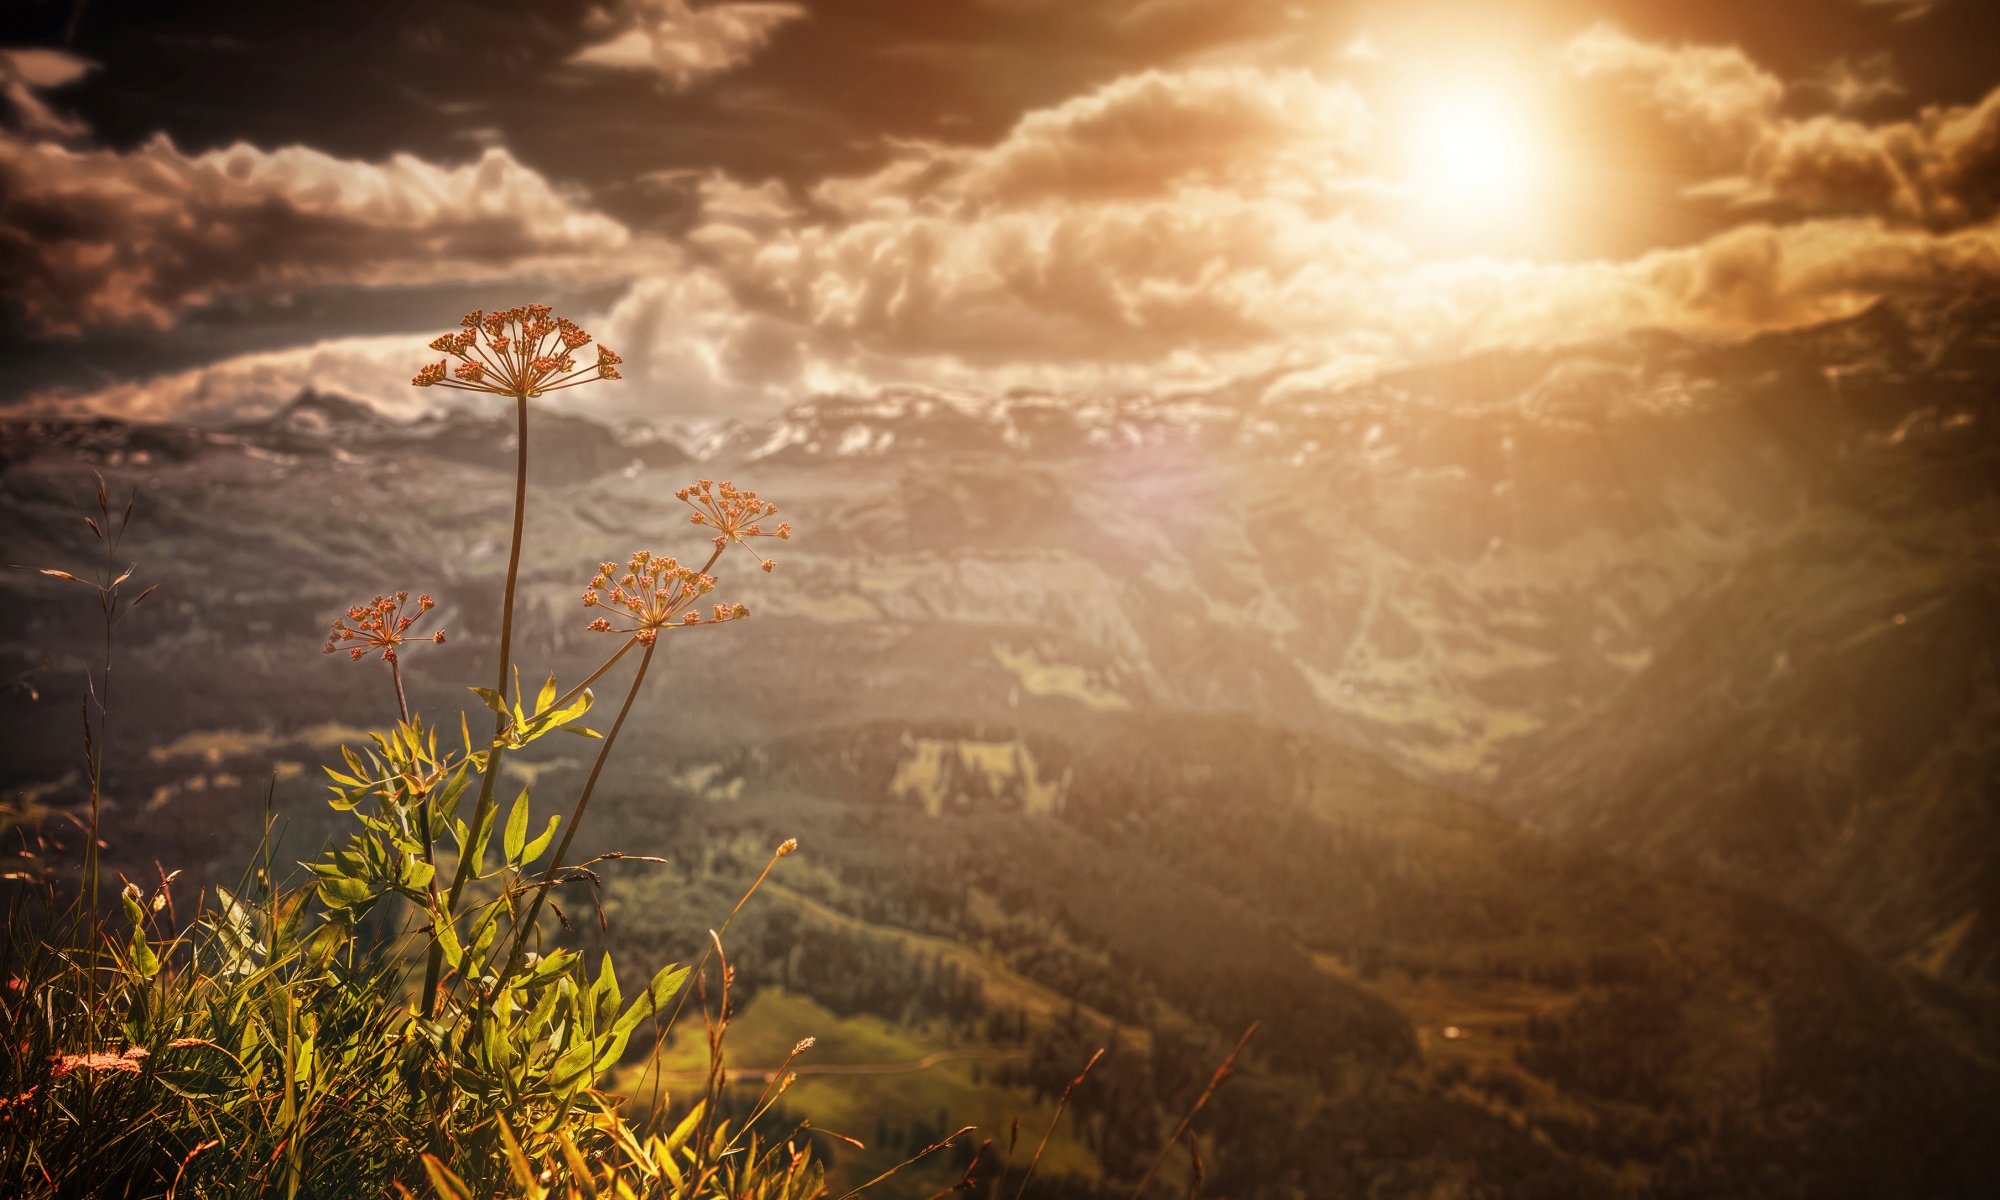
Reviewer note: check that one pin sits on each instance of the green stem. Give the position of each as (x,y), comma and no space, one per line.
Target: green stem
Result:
(522,930)
(433,968)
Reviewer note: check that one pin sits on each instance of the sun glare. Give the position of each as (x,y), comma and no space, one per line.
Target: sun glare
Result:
(1473,163)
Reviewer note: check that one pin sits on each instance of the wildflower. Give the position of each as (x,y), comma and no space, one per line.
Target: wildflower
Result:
(381,624)
(787,846)
(734,513)
(654,593)
(525,353)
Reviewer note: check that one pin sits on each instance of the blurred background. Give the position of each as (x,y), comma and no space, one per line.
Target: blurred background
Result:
(1468,534)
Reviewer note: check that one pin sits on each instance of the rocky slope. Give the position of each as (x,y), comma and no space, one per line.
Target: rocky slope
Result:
(1722,605)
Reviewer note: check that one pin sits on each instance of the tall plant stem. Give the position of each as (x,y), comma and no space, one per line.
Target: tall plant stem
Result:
(527,924)
(402,701)
(107,600)
(434,966)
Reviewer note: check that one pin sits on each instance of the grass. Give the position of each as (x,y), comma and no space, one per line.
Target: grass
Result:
(865,1075)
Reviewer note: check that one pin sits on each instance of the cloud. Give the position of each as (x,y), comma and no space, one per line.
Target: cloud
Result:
(691,352)
(1853,84)
(95,238)
(1164,231)
(1905,10)
(1940,168)
(682,44)
(1716,91)
(25,74)
(1755,277)
(1209,224)
(1163,214)
(1142,135)
(1145,133)
(375,369)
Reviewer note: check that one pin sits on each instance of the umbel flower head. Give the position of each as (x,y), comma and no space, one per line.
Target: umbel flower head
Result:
(381,624)
(516,352)
(734,514)
(652,592)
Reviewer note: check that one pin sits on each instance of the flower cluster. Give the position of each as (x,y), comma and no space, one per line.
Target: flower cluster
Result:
(381,624)
(515,352)
(734,514)
(653,592)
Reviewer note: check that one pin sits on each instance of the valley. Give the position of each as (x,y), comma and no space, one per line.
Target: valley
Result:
(1581,764)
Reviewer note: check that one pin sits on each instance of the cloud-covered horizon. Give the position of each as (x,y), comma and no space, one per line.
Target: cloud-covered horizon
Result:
(1184,224)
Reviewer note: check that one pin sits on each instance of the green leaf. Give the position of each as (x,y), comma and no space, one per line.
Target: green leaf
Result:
(144,961)
(606,986)
(344,892)
(492,699)
(683,1131)
(653,999)
(481,840)
(534,849)
(447,940)
(610,1051)
(547,695)
(446,803)
(516,836)
(573,1066)
(550,966)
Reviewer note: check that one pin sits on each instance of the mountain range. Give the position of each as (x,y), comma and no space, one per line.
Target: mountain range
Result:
(1640,700)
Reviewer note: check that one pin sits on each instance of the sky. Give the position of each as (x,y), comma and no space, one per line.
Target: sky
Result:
(205,207)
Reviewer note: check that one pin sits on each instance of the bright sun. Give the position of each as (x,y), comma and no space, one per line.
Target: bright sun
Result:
(1472,161)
